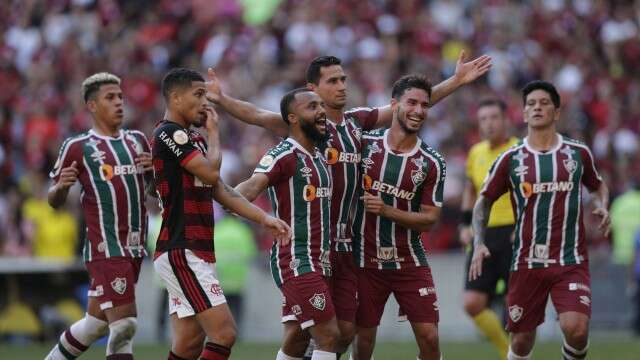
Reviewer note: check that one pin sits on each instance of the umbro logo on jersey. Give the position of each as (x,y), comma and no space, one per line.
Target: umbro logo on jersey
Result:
(585,300)
(306,171)
(367,163)
(521,170)
(98,155)
(527,189)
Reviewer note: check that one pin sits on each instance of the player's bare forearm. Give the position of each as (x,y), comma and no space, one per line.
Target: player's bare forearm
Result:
(444,89)
(479,220)
(253,186)
(468,196)
(602,196)
(418,221)
(234,201)
(253,115)
(57,195)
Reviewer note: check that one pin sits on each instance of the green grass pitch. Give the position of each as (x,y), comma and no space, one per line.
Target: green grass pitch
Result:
(599,350)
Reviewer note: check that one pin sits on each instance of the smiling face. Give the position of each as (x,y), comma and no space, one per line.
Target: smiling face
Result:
(107,106)
(308,112)
(539,110)
(411,109)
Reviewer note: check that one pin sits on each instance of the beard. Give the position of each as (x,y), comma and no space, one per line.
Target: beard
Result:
(402,120)
(311,131)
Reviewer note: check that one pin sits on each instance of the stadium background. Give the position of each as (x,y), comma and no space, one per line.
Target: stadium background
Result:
(590,49)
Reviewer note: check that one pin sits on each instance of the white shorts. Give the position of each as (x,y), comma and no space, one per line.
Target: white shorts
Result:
(192,283)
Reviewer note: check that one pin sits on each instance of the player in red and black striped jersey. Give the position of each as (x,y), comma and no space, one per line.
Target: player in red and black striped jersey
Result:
(187,180)
(544,174)
(326,77)
(297,179)
(111,165)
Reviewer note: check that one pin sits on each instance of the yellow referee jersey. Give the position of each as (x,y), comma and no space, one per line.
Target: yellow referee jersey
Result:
(480,159)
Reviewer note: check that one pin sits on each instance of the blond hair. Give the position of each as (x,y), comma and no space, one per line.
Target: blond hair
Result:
(92,84)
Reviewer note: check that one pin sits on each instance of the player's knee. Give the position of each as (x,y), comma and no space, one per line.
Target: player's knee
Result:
(347,333)
(328,338)
(576,331)
(121,334)
(472,307)
(522,343)
(226,337)
(428,338)
(188,347)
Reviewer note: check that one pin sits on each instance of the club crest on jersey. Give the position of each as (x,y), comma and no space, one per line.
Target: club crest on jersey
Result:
(318,301)
(515,313)
(357,133)
(119,285)
(293,264)
(387,253)
(570,165)
(374,148)
(417,176)
(137,147)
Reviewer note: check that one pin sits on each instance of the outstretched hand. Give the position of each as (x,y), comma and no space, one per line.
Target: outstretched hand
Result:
(279,229)
(467,72)
(214,91)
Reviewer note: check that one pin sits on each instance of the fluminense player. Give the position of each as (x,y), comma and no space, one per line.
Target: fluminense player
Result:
(402,182)
(296,176)
(110,163)
(342,149)
(544,174)
(187,172)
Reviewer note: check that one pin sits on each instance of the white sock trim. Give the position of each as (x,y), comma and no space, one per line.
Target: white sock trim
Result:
(323,355)
(514,356)
(282,356)
(574,350)
(121,334)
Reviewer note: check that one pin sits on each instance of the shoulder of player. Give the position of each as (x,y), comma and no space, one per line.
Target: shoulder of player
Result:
(134,132)
(75,140)
(373,134)
(576,144)
(356,110)
(431,152)
(280,152)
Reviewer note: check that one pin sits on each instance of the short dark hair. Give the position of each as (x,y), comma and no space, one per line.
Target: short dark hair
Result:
(92,84)
(287,99)
(544,86)
(179,77)
(313,70)
(493,102)
(408,82)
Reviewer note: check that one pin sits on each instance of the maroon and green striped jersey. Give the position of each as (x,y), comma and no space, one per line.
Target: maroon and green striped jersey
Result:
(546,197)
(342,152)
(300,193)
(112,191)
(405,181)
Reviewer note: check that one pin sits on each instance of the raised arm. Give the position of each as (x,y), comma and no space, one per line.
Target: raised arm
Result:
(244,111)
(234,201)
(465,73)
(418,221)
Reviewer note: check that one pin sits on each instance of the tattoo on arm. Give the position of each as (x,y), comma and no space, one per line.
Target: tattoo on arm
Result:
(481,211)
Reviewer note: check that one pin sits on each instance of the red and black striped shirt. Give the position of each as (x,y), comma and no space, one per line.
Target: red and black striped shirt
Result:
(187,203)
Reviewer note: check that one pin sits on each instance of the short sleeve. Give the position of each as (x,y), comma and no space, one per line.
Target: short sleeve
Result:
(278,168)
(173,141)
(497,181)
(70,151)
(590,176)
(366,117)
(433,186)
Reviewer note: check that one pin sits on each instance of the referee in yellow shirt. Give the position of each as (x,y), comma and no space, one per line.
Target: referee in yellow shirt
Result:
(493,125)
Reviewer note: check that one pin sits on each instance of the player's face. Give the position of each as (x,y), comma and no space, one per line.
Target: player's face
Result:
(310,114)
(192,103)
(332,86)
(492,122)
(107,105)
(411,109)
(539,111)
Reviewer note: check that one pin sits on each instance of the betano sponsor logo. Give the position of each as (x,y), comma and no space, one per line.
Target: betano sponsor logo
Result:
(370,184)
(333,156)
(310,192)
(527,189)
(107,172)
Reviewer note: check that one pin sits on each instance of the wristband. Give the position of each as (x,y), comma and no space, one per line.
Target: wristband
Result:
(466,217)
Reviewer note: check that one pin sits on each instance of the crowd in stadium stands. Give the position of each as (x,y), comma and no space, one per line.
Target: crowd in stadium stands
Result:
(590,49)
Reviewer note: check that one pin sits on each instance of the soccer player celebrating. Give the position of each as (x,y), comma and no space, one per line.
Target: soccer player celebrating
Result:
(403,180)
(187,179)
(110,163)
(342,150)
(299,186)
(543,174)
(493,124)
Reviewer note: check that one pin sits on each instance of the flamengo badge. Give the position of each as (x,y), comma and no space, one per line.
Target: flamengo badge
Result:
(318,301)
(119,285)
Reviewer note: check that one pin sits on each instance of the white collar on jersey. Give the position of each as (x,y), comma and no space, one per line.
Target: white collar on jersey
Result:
(410,153)
(554,149)
(296,144)
(103,137)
